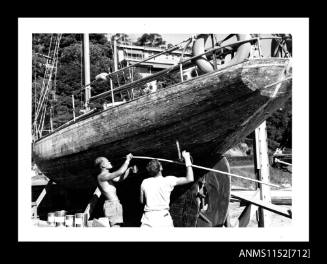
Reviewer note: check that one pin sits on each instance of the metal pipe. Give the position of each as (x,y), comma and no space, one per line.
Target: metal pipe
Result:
(73,103)
(51,114)
(112,91)
(86,68)
(259,48)
(181,71)
(115,57)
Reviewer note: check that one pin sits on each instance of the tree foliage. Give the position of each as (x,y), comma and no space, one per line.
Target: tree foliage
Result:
(70,76)
(279,127)
(152,40)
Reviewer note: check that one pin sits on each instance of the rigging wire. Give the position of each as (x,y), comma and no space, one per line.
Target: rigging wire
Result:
(45,89)
(45,73)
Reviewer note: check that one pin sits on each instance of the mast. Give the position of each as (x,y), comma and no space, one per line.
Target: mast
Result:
(115,57)
(87,69)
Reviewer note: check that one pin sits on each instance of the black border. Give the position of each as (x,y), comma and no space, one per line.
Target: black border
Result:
(197,251)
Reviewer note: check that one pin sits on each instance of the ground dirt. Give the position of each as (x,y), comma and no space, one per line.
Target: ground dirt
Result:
(274,219)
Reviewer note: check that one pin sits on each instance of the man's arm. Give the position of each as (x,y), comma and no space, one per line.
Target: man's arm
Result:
(189,170)
(123,168)
(123,177)
(111,175)
(141,195)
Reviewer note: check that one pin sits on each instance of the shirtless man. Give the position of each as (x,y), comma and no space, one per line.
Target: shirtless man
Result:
(156,190)
(112,207)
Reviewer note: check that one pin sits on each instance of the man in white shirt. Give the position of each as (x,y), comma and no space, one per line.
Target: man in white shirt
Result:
(155,193)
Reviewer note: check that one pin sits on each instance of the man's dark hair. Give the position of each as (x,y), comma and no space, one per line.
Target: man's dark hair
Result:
(153,167)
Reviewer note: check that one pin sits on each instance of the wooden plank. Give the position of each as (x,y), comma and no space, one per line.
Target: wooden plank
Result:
(278,197)
(90,207)
(262,170)
(43,193)
(249,211)
(268,206)
(245,216)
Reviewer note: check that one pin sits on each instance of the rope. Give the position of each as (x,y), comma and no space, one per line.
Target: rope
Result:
(208,169)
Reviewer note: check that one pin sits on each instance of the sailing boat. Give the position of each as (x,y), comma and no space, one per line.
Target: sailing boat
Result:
(207,115)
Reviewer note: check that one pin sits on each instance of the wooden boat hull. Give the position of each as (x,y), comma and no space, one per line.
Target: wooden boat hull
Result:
(207,115)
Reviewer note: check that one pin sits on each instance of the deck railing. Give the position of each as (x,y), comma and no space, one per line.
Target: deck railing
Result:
(182,65)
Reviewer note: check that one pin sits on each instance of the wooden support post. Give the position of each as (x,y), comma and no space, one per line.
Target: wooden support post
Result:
(248,212)
(39,199)
(90,207)
(262,170)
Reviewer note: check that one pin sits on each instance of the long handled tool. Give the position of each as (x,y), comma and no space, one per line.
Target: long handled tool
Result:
(208,169)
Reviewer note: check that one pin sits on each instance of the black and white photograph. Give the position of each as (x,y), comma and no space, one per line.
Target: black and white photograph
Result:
(163,129)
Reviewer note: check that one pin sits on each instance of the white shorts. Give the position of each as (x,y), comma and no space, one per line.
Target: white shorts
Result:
(157,219)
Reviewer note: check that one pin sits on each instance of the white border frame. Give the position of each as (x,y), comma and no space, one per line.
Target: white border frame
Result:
(298,27)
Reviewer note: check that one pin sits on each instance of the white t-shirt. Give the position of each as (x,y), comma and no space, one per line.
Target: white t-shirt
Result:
(157,192)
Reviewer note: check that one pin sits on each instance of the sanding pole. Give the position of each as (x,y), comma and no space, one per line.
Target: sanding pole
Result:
(208,169)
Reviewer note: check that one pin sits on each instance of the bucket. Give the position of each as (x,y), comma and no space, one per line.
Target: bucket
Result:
(60,218)
(69,220)
(51,219)
(80,220)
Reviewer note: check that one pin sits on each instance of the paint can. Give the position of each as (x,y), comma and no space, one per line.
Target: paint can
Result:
(60,218)
(80,220)
(69,220)
(51,219)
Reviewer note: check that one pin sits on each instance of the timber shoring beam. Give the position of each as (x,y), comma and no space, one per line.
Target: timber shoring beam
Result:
(39,199)
(268,206)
